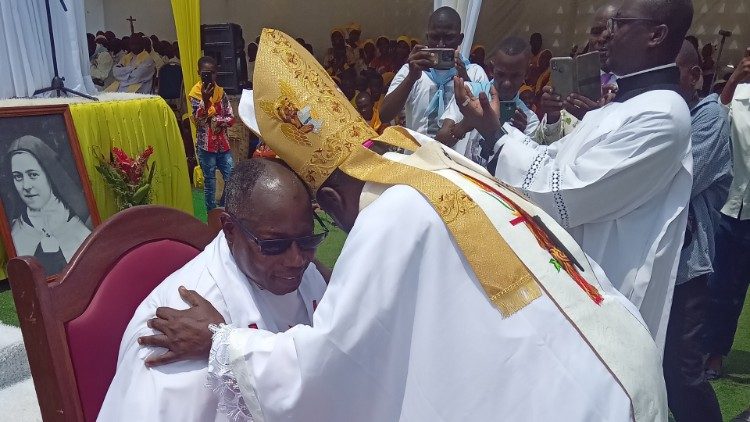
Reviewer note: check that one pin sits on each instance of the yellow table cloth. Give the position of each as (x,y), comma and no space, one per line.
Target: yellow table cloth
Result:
(131,125)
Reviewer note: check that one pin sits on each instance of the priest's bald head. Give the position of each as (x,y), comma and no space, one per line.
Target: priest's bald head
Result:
(647,33)
(268,224)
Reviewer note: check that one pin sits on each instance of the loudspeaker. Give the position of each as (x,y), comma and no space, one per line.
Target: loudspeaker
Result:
(224,43)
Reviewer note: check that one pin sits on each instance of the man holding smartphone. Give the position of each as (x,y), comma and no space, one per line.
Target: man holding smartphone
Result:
(621,182)
(509,64)
(561,115)
(421,88)
(212,115)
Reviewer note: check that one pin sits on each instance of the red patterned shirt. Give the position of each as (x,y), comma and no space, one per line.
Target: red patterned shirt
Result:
(212,123)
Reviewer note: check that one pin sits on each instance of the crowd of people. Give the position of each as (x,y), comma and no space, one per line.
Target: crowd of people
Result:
(131,63)
(650,181)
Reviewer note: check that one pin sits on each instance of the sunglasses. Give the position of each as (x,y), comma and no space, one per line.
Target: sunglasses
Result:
(279,246)
(613,24)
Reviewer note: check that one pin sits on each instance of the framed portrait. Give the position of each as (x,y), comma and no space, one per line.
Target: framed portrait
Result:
(46,206)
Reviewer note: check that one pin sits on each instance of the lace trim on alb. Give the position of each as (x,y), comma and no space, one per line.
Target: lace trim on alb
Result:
(531,173)
(220,379)
(561,208)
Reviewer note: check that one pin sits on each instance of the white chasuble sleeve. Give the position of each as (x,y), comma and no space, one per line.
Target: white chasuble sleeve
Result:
(579,181)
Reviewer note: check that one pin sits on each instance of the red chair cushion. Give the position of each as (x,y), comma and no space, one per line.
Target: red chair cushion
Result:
(94,337)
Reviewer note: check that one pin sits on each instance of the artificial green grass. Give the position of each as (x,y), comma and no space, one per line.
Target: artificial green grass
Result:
(8,315)
(733,390)
(199,205)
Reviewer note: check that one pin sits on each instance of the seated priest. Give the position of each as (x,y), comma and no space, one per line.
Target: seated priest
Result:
(135,71)
(257,273)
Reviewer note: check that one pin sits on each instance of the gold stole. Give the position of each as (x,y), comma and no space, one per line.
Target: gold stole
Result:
(505,279)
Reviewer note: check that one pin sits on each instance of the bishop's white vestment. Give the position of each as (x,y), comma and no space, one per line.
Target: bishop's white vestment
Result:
(179,391)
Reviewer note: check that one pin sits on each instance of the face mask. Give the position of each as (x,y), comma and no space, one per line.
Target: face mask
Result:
(441,73)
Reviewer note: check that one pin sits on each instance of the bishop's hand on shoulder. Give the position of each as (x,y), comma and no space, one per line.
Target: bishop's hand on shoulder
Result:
(481,113)
(185,334)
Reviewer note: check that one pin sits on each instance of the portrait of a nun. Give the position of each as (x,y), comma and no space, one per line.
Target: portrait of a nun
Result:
(45,206)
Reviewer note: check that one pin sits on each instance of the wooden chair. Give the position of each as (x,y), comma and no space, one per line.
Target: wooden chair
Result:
(72,327)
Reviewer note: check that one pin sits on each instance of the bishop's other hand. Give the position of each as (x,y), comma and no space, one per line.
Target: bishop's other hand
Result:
(185,334)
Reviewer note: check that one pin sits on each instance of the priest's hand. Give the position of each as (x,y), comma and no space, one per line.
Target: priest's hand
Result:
(519,120)
(419,61)
(578,105)
(481,113)
(551,104)
(185,334)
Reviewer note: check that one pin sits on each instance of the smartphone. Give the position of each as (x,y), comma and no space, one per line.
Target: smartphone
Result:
(507,111)
(588,75)
(562,75)
(206,78)
(444,58)
(580,75)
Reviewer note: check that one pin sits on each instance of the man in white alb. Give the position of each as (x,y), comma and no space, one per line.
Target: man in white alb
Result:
(620,184)
(257,273)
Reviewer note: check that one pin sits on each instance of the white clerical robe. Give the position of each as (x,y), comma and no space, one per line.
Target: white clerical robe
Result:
(620,184)
(134,74)
(405,332)
(178,391)
(101,68)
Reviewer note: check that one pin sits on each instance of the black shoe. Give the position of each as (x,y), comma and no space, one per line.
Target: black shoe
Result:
(742,417)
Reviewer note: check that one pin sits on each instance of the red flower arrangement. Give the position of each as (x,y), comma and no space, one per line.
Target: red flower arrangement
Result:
(125,175)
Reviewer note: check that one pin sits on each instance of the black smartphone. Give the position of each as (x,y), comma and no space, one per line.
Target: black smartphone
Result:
(206,78)
(507,110)
(444,57)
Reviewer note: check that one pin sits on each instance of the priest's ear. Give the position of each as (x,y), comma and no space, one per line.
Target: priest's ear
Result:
(339,197)
(658,35)
(332,202)
(222,221)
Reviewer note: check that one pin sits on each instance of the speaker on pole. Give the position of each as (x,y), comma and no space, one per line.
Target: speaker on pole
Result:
(224,43)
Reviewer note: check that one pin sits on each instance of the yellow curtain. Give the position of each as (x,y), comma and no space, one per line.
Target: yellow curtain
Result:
(132,125)
(187,22)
